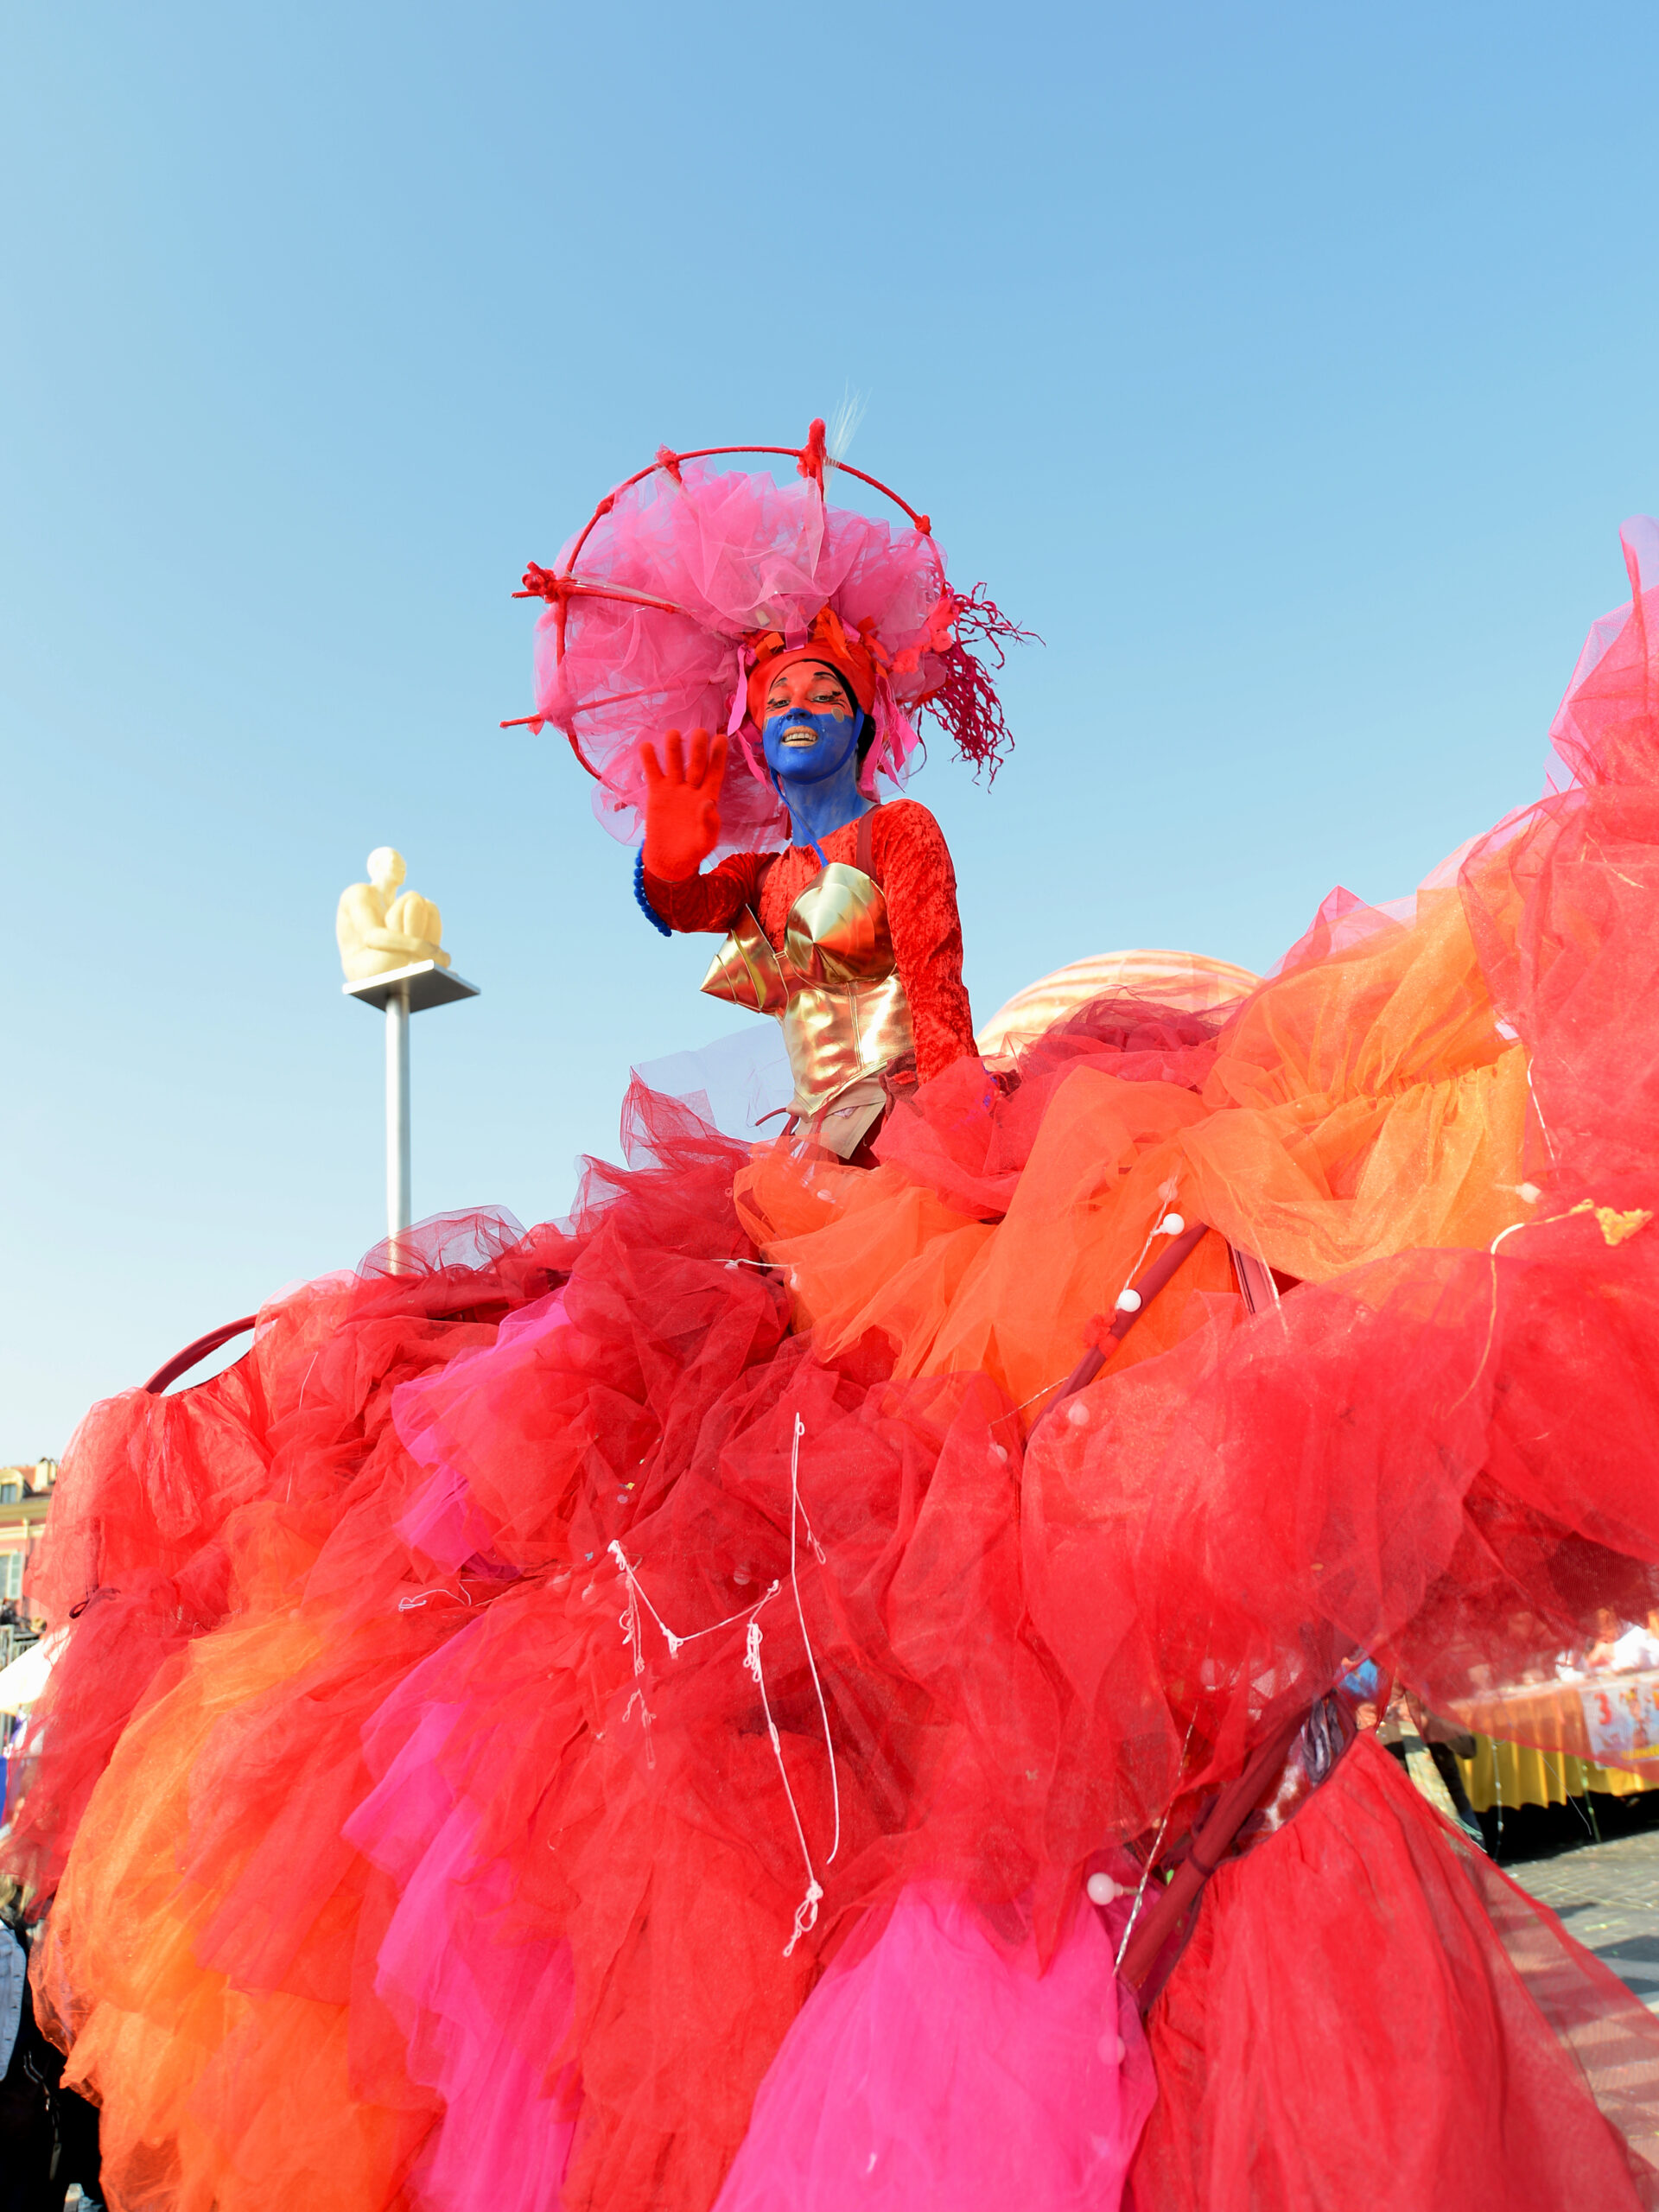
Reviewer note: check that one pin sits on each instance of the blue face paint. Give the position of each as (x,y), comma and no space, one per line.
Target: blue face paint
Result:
(819,781)
(835,742)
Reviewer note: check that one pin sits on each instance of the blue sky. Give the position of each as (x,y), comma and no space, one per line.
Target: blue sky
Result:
(1290,369)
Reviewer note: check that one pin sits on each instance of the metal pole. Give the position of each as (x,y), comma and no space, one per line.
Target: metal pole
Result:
(397,1176)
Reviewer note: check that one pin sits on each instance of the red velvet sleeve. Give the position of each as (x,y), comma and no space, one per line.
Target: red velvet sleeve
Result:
(912,864)
(707,902)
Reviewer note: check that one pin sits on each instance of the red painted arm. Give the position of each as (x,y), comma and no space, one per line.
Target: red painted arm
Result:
(707,902)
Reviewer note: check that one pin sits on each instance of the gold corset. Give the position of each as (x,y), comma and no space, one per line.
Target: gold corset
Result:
(834,986)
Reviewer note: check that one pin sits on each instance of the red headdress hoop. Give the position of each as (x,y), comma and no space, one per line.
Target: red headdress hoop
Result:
(688,584)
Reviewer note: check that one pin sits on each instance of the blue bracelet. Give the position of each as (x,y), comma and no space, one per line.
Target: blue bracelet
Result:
(643,903)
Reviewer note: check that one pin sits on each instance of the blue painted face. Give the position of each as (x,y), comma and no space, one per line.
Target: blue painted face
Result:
(804,745)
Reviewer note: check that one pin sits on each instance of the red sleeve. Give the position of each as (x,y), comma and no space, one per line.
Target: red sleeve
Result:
(707,902)
(912,864)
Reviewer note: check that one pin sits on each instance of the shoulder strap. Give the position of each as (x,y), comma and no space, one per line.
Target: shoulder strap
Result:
(865,849)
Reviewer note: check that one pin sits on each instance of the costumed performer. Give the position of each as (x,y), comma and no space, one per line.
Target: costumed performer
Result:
(751,1697)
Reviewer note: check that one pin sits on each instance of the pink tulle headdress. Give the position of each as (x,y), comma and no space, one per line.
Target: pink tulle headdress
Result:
(689,581)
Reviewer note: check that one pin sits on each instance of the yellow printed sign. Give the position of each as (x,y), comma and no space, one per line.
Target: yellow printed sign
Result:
(1621,1715)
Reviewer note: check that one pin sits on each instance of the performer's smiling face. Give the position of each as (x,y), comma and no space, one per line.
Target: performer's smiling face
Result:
(811,727)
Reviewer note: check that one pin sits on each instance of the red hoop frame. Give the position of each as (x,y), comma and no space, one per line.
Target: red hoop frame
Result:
(810,460)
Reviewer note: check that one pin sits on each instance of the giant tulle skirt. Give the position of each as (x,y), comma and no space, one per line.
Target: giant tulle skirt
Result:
(623,1715)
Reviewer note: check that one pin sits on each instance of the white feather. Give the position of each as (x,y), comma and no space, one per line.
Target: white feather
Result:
(844,424)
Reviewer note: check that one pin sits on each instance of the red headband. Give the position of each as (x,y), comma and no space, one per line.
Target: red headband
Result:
(851,653)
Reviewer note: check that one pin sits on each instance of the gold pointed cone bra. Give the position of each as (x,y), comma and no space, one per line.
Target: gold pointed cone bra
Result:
(834,986)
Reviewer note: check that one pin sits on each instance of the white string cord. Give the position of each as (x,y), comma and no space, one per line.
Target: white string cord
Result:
(1539,1112)
(1032,1399)
(461,1596)
(1531,1221)
(795,1508)
(806,1913)
(1157,1841)
(1165,1198)
(636,1590)
(635,1642)
(628,1622)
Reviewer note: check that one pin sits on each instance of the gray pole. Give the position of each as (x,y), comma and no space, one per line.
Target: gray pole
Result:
(397,1122)
(404,991)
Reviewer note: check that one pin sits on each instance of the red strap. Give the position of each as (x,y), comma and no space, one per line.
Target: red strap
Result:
(1227,1814)
(1157,1275)
(865,849)
(1179,1248)
(182,1363)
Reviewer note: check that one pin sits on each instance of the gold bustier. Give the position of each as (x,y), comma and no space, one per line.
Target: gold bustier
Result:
(834,986)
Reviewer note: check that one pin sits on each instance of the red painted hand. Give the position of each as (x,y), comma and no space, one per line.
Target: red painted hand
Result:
(682,803)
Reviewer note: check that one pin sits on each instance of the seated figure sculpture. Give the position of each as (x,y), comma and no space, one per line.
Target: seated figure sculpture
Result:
(379,929)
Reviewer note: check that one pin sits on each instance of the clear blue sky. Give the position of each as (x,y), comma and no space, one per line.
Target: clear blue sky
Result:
(1289,368)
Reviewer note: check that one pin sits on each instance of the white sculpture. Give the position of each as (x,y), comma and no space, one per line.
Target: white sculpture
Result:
(378,929)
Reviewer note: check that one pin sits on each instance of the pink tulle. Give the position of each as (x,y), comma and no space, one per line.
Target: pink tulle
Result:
(735,553)
(941,2068)
(1602,728)
(444,1521)
(481,2018)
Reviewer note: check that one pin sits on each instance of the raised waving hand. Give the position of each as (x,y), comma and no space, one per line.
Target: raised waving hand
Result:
(681,801)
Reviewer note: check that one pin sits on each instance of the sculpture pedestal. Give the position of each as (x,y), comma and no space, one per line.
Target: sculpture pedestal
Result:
(397,993)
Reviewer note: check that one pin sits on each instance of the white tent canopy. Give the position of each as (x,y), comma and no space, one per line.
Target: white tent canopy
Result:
(22,1682)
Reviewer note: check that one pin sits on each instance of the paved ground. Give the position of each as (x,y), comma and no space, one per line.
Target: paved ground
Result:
(1607,1895)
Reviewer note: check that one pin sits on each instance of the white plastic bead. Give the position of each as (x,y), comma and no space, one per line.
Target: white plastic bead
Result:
(1128,1301)
(1102,1889)
(1171,1225)
(1110,2049)
(1077,1413)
